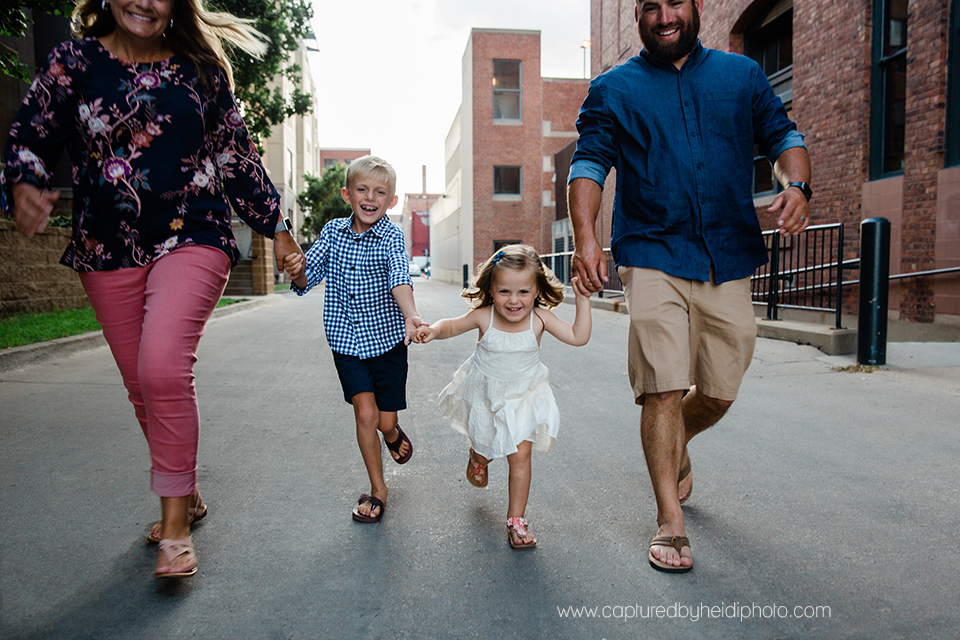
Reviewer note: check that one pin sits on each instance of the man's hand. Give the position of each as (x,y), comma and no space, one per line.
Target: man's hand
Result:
(794,211)
(589,262)
(32,207)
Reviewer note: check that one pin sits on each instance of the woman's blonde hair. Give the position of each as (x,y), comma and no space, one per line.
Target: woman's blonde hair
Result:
(516,257)
(195,33)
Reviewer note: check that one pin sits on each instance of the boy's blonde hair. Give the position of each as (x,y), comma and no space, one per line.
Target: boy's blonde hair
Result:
(373,167)
(516,257)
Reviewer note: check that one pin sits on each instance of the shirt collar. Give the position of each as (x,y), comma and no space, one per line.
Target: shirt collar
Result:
(378,230)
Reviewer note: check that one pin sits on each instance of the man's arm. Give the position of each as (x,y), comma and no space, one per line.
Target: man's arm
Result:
(792,165)
(589,261)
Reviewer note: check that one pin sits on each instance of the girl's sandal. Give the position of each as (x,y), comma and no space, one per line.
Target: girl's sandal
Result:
(518,527)
(476,471)
(194,513)
(171,550)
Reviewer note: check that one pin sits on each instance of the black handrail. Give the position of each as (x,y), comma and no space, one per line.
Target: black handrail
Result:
(803,271)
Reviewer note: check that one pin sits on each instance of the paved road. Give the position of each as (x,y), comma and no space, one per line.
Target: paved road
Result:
(821,488)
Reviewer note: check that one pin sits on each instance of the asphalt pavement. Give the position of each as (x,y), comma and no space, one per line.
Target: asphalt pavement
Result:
(825,504)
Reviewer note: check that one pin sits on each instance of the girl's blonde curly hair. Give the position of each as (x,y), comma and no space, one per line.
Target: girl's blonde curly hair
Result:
(516,257)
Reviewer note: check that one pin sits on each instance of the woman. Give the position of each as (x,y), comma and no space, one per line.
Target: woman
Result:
(142,101)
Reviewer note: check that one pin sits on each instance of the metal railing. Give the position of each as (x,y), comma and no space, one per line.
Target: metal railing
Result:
(560,264)
(805,272)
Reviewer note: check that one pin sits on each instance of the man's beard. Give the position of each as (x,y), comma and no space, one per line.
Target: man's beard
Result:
(671,52)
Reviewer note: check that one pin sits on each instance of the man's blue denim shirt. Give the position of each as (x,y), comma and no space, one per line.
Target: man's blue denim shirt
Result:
(683,146)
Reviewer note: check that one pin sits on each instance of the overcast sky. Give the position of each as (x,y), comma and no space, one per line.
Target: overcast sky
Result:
(388,72)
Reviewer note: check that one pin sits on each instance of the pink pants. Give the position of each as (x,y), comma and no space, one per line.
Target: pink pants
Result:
(152,318)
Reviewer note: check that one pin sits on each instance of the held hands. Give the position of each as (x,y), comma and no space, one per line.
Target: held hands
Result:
(589,262)
(426,333)
(413,327)
(295,265)
(32,207)
(289,255)
(578,289)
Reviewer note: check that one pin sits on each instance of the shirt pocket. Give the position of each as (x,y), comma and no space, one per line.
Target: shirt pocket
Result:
(721,115)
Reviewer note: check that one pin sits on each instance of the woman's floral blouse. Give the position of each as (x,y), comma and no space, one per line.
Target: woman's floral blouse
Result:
(153,155)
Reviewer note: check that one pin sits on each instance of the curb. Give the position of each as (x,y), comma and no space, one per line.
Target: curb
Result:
(39,352)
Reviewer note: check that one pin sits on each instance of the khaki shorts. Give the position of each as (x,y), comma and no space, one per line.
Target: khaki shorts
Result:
(687,332)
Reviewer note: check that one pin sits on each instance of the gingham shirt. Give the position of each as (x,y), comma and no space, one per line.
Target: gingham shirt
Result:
(360,315)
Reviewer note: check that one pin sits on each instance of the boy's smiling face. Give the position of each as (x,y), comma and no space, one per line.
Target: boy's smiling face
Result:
(370,199)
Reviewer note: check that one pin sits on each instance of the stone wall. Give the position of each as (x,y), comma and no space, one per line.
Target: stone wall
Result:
(31,276)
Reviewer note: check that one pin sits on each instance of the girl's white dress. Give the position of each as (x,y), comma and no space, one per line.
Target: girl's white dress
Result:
(501,395)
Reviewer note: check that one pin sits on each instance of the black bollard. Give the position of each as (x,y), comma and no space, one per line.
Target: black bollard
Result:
(466,276)
(874,291)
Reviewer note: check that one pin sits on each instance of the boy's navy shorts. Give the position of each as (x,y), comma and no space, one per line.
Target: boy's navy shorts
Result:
(384,375)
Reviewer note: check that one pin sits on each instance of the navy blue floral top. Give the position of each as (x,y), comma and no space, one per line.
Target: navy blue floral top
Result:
(154,156)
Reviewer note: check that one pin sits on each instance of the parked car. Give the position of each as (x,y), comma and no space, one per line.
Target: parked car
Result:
(414,269)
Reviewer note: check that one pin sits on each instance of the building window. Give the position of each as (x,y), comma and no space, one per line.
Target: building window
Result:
(953,88)
(506,89)
(769,42)
(888,90)
(506,181)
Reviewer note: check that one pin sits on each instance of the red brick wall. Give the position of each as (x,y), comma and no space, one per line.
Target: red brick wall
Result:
(561,104)
(926,116)
(506,144)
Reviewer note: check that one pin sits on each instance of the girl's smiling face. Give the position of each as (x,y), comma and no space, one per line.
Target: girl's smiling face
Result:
(514,294)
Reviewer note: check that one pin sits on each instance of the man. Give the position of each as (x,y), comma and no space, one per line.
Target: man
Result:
(680,123)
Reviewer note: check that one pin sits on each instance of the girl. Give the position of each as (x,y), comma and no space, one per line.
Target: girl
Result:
(501,397)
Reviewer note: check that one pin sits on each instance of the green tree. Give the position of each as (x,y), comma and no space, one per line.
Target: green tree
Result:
(285,23)
(321,200)
(14,23)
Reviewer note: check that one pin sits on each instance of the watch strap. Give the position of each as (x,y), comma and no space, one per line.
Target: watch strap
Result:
(283,225)
(804,187)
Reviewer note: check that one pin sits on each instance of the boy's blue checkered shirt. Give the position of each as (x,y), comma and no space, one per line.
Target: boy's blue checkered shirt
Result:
(360,315)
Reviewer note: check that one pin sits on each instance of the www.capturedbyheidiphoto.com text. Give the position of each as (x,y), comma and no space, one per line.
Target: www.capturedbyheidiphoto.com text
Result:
(733,611)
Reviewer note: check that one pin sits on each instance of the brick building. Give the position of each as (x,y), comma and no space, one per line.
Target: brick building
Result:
(415,223)
(499,171)
(333,157)
(870,84)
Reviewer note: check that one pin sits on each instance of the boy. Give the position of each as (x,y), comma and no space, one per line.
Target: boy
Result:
(369,315)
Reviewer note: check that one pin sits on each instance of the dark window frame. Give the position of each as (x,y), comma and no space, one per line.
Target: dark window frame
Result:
(883,66)
(519,181)
(500,90)
(952,155)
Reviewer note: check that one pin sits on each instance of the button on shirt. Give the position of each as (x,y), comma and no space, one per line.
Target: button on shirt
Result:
(360,315)
(682,142)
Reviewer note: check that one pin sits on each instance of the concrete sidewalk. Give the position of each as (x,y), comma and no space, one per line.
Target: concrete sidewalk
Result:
(824,504)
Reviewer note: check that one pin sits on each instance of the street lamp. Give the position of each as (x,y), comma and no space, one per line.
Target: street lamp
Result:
(585,46)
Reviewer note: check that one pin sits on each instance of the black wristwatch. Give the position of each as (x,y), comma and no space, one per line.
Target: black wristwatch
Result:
(804,187)
(284,225)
